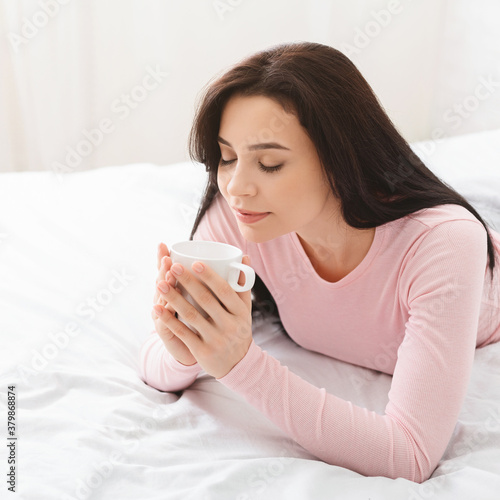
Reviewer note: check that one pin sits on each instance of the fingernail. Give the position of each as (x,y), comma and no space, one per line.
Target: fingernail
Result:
(198,267)
(177,269)
(157,310)
(164,287)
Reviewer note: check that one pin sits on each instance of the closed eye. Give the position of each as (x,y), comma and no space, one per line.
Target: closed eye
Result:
(262,167)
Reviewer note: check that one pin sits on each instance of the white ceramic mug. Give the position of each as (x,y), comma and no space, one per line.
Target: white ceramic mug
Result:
(224,259)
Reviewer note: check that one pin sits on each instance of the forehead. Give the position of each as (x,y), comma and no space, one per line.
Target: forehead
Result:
(254,103)
(247,120)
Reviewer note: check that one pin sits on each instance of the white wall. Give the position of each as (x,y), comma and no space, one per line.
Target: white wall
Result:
(67,65)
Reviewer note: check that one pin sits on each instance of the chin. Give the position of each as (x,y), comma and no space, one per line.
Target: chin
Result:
(257,236)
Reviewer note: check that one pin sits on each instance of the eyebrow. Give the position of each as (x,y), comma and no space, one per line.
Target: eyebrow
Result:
(255,147)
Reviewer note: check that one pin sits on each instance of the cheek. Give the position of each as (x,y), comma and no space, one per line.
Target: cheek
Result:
(302,195)
(221,183)
(292,190)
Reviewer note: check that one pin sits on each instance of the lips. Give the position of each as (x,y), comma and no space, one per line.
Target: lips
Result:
(248,212)
(248,216)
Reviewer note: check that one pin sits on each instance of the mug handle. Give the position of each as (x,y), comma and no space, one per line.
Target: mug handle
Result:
(235,273)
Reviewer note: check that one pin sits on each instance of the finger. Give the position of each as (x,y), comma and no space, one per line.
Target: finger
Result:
(180,330)
(159,300)
(220,287)
(161,252)
(159,308)
(160,315)
(165,265)
(184,308)
(162,265)
(201,294)
(169,278)
(156,313)
(159,256)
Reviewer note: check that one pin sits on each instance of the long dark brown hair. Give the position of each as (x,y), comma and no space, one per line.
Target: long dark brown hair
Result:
(370,167)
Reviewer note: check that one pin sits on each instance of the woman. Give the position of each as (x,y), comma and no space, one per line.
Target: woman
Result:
(365,254)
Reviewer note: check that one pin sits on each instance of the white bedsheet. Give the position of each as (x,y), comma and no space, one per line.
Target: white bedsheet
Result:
(77,273)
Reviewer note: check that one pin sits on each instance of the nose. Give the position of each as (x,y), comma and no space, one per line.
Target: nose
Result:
(239,181)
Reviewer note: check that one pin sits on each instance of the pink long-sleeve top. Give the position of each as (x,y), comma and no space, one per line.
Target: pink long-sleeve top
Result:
(416,308)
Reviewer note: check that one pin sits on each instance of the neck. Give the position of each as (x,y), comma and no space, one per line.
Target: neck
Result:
(339,252)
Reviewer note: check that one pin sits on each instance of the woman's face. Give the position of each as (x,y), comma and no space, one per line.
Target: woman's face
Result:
(273,168)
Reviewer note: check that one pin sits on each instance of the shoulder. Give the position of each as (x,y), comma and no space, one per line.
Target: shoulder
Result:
(432,217)
(442,244)
(450,229)
(440,226)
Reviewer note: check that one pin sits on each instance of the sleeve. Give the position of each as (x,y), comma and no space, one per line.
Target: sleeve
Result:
(158,368)
(442,283)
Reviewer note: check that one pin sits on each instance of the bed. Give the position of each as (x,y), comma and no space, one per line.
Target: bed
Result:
(77,274)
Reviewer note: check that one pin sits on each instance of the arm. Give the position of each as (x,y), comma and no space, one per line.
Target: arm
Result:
(442,283)
(165,362)
(158,367)
(161,370)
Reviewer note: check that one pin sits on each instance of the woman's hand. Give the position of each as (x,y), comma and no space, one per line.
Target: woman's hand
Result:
(161,310)
(226,334)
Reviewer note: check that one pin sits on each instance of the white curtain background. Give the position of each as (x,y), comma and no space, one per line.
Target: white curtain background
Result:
(90,83)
